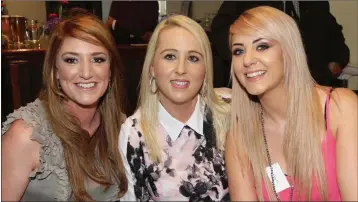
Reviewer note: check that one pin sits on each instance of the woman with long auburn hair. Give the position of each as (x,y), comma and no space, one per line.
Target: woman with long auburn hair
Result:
(291,139)
(174,141)
(64,145)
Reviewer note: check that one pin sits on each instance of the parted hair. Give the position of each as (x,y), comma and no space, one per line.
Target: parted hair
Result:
(304,119)
(96,157)
(149,102)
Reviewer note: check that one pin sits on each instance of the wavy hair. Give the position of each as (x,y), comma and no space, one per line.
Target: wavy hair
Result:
(303,130)
(96,157)
(149,103)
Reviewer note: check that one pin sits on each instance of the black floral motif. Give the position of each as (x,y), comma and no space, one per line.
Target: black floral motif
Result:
(205,178)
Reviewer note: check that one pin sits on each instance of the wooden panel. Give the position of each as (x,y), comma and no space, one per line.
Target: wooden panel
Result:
(21,79)
(133,59)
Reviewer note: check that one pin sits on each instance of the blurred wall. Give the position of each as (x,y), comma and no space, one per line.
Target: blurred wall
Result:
(33,10)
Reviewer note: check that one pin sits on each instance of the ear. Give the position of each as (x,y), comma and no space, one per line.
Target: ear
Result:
(57,75)
(151,70)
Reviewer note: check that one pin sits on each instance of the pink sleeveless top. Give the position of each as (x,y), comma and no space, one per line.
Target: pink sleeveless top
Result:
(329,157)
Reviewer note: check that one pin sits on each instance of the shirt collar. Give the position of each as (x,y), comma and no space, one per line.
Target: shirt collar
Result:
(173,126)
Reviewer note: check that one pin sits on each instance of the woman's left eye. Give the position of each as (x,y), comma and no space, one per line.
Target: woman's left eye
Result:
(193,58)
(71,60)
(98,60)
(169,57)
(262,47)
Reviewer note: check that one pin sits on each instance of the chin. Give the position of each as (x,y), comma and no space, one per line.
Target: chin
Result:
(182,99)
(86,103)
(179,101)
(255,90)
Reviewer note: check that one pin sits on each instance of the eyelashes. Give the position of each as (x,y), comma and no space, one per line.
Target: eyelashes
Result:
(169,57)
(73,60)
(260,48)
(191,58)
(237,51)
(98,60)
(70,60)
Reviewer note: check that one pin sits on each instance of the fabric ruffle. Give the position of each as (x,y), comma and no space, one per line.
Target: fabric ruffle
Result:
(51,153)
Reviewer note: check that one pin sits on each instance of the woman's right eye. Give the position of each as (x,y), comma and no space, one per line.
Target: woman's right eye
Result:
(71,60)
(169,57)
(237,51)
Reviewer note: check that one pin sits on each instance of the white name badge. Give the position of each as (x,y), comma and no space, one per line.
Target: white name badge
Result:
(279,177)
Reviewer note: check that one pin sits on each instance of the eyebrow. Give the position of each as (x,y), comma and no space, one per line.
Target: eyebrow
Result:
(241,44)
(175,50)
(77,54)
(168,50)
(197,52)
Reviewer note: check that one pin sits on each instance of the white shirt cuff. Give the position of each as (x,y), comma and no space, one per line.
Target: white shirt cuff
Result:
(113,24)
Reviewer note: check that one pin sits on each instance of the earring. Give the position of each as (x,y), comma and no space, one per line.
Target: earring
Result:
(203,90)
(153,88)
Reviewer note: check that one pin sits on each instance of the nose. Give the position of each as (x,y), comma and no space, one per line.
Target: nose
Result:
(86,70)
(249,58)
(181,67)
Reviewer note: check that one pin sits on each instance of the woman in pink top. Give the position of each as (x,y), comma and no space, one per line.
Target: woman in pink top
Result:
(291,139)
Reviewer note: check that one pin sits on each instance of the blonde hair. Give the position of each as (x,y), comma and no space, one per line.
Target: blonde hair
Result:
(96,157)
(149,102)
(302,142)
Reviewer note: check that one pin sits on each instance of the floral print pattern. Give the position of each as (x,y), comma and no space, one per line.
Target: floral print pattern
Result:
(192,169)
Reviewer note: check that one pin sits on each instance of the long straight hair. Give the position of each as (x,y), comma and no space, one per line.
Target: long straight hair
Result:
(149,102)
(96,157)
(305,124)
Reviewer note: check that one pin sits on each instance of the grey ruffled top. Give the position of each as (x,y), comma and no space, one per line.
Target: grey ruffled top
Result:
(50,181)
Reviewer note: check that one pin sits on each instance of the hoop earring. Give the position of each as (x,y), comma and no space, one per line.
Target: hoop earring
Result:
(153,88)
(203,90)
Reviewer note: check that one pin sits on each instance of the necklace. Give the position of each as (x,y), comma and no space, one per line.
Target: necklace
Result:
(262,120)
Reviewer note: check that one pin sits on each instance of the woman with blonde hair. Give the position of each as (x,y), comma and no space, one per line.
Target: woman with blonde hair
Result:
(174,141)
(64,145)
(291,139)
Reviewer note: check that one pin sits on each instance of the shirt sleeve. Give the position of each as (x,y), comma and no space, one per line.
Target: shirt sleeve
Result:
(224,93)
(123,141)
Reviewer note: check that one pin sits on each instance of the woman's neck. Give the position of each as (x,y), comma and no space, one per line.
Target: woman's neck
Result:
(181,112)
(89,117)
(274,104)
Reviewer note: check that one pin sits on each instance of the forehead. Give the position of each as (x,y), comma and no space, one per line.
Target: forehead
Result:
(71,44)
(251,38)
(246,37)
(178,38)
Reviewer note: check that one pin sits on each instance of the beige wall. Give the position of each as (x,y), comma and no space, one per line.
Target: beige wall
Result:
(346,14)
(200,8)
(173,6)
(33,10)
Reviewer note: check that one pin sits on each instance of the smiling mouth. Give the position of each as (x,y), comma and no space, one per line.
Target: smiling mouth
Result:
(255,74)
(180,84)
(86,85)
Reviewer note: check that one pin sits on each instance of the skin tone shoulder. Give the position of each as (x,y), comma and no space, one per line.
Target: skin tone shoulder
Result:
(258,65)
(179,71)
(83,73)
